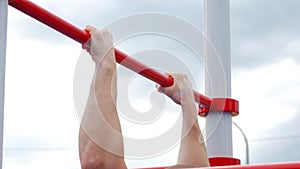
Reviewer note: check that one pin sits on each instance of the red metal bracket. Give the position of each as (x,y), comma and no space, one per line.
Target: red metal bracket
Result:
(224,161)
(220,105)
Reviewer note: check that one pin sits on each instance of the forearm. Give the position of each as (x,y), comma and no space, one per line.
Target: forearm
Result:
(189,111)
(192,149)
(100,131)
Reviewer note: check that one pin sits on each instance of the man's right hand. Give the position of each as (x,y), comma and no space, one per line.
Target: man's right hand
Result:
(181,84)
(100,44)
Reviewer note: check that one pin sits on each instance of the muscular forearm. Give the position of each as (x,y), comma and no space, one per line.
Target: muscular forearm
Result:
(100,137)
(192,149)
(101,101)
(189,111)
(100,131)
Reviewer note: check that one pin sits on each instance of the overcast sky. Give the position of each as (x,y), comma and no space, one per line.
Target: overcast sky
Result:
(41,123)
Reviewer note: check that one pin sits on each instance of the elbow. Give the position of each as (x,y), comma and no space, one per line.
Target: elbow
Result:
(103,163)
(92,163)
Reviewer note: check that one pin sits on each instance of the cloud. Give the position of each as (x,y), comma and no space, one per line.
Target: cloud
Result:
(253,28)
(282,150)
(40,124)
(98,13)
(264,53)
(25,27)
(262,95)
(277,144)
(259,18)
(37,115)
(41,159)
(262,32)
(269,111)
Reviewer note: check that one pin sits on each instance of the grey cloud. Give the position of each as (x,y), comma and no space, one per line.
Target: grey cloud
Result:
(275,151)
(41,159)
(279,144)
(261,31)
(28,28)
(285,130)
(99,14)
(261,17)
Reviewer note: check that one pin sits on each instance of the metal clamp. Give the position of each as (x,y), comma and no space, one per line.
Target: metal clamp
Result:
(220,105)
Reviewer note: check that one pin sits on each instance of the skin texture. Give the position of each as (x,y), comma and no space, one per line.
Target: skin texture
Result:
(192,151)
(100,134)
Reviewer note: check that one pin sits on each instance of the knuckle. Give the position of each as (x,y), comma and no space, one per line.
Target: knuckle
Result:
(105,31)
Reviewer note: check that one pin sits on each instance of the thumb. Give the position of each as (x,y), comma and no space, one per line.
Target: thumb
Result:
(159,88)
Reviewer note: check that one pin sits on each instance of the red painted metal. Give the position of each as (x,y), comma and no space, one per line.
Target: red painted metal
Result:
(82,37)
(220,105)
(289,165)
(223,161)
(286,165)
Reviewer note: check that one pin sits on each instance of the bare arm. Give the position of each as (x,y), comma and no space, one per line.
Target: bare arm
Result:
(100,135)
(192,152)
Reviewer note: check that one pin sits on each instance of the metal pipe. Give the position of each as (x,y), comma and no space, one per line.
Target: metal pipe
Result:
(3,33)
(246,142)
(82,37)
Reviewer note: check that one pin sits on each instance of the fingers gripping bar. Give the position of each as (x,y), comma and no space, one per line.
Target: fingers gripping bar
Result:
(82,37)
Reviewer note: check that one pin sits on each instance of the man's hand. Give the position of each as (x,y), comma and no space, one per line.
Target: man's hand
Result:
(100,45)
(181,84)
(192,151)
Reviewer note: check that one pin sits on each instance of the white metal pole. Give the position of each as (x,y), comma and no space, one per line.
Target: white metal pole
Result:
(218,76)
(3,32)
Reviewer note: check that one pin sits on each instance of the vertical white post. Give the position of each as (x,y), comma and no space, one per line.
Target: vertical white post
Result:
(3,32)
(218,76)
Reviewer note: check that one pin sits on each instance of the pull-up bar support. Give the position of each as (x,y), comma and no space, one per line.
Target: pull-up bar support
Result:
(82,37)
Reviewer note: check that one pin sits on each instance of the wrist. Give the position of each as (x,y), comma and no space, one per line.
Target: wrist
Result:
(107,59)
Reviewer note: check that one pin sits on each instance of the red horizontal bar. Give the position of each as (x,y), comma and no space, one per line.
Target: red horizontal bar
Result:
(287,165)
(82,36)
